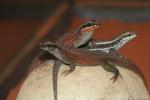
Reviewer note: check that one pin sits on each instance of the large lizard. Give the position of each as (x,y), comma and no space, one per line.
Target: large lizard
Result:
(74,57)
(109,46)
(79,57)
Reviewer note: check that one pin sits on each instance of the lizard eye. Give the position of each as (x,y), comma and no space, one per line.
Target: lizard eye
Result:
(130,35)
(90,23)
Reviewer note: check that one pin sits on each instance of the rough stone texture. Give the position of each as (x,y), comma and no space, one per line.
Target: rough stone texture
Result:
(85,83)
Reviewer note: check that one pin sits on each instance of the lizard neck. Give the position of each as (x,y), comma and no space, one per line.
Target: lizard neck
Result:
(84,37)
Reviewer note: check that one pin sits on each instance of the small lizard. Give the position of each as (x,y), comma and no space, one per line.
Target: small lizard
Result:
(77,57)
(112,45)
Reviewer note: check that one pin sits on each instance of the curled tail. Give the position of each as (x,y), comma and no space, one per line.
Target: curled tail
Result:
(126,63)
(55,77)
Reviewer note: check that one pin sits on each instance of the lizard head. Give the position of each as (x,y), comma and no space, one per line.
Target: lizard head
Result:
(128,36)
(48,46)
(90,25)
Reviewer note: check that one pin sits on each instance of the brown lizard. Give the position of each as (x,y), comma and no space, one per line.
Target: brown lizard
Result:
(80,57)
(79,37)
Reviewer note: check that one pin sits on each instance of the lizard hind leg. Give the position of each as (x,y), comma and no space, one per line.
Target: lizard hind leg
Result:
(72,68)
(111,68)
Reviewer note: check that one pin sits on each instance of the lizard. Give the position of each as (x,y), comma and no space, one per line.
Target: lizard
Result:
(81,36)
(112,45)
(77,57)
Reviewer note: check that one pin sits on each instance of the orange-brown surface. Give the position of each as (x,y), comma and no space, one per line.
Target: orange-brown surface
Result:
(14,33)
(137,50)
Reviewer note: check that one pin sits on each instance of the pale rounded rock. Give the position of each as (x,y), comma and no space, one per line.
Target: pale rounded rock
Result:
(85,83)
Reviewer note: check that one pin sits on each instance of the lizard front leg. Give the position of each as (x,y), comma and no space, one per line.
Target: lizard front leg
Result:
(72,68)
(111,68)
(55,77)
(92,44)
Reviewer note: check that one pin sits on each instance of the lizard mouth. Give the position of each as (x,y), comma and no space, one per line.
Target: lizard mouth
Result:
(91,28)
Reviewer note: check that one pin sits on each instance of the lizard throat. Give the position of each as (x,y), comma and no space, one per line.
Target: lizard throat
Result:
(84,37)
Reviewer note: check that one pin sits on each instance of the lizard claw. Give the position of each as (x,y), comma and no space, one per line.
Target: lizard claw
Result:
(66,72)
(72,68)
(115,77)
(92,44)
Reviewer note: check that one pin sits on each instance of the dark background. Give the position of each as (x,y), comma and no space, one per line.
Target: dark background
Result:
(24,23)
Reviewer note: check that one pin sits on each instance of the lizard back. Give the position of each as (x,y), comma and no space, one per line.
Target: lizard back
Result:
(84,58)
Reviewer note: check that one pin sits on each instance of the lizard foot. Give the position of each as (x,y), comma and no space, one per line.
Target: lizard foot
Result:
(66,72)
(72,68)
(111,68)
(115,77)
(92,44)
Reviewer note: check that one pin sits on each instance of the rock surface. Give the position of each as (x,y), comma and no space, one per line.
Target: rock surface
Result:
(85,83)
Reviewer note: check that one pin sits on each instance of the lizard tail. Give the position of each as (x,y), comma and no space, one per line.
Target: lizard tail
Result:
(55,77)
(128,64)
